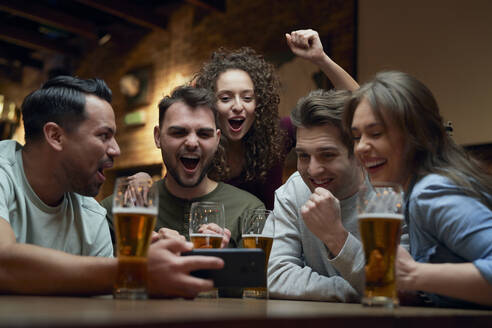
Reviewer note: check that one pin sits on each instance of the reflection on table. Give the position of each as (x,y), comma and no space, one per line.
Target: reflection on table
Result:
(30,311)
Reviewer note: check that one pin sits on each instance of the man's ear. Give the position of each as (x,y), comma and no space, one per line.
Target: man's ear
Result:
(54,134)
(218,135)
(157,136)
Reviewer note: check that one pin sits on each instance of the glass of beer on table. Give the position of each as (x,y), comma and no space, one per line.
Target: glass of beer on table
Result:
(207,221)
(257,233)
(134,212)
(380,216)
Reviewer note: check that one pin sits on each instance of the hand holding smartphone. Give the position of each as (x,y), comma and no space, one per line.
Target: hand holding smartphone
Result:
(242,267)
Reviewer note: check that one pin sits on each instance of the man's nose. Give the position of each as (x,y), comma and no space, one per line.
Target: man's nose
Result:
(191,141)
(114,148)
(314,168)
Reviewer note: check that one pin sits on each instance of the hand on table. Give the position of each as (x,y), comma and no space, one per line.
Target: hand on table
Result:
(406,270)
(169,274)
(134,194)
(213,228)
(139,176)
(165,233)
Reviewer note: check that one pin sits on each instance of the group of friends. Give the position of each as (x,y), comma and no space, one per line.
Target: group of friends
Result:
(222,140)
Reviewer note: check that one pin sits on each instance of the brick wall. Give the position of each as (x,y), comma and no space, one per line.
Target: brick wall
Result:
(189,40)
(177,53)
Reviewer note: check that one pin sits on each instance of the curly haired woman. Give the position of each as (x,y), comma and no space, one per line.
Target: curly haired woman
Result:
(248,96)
(247,100)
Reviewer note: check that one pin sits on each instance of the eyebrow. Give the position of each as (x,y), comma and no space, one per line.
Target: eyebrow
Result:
(180,128)
(107,128)
(175,128)
(318,150)
(206,130)
(371,125)
(230,91)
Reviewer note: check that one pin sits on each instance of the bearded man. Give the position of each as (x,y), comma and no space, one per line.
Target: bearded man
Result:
(188,138)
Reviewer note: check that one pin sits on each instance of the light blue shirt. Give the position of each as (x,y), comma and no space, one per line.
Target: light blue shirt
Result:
(77,225)
(447,226)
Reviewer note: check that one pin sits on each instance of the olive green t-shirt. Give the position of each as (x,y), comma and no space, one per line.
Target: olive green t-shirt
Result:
(174,212)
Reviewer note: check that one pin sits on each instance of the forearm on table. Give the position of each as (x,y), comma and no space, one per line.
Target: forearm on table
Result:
(288,276)
(30,269)
(336,241)
(459,280)
(350,263)
(291,281)
(340,79)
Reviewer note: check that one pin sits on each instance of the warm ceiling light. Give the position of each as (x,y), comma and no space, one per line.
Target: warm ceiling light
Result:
(104,39)
(9,118)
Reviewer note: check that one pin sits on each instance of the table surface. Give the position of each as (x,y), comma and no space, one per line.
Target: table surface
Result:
(33,311)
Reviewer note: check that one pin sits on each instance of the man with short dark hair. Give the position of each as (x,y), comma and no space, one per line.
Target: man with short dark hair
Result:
(316,254)
(54,238)
(189,138)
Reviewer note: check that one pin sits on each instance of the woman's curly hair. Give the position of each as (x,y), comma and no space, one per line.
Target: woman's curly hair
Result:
(264,142)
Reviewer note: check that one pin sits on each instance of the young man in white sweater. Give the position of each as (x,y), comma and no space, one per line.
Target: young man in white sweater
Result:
(317,254)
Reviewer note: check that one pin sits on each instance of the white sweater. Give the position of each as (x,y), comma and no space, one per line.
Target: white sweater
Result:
(300,266)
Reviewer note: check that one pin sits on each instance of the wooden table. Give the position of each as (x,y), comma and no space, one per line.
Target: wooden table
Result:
(30,311)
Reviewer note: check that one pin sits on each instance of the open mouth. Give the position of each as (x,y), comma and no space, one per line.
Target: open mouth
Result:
(106,164)
(190,163)
(374,165)
(100,173)
(321,183)
(236,123)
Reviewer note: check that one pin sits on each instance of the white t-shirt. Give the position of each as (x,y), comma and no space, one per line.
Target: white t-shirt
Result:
(77,226)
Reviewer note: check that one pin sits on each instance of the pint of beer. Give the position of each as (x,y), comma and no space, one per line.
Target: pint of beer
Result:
(134,215)
(257,234)
(380,220)
(207,223)
(206,240)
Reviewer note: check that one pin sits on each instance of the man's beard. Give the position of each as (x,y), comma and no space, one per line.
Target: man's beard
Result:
(89,190)
(81,184)
(173,172)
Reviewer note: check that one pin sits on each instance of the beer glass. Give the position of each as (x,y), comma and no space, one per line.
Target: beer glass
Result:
(207,221)
(134,214)
(257,234)
(380,219)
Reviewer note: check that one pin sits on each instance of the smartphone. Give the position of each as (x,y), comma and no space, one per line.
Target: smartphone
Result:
(243,267)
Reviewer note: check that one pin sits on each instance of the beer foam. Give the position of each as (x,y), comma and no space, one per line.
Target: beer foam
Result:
(256,235)
(205,235)
(135,210)
(376,216)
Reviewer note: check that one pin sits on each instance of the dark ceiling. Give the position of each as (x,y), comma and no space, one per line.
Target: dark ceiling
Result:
(33,30)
